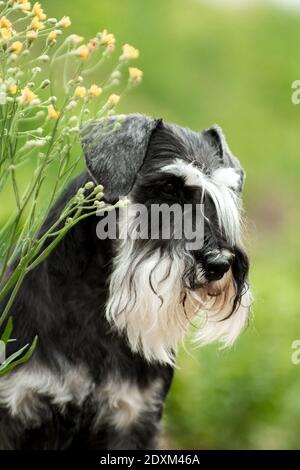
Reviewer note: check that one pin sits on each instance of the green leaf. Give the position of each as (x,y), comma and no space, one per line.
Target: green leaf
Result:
(8,366)
(8,331)
(11,358)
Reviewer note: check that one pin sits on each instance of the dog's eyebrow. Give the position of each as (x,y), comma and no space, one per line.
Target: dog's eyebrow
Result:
(224,198)
(228,176)
(192,175)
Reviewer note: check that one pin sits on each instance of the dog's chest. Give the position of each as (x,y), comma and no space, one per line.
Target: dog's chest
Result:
(122,404)
(115,402)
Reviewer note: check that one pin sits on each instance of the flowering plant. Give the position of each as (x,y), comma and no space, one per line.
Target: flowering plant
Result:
(39,126)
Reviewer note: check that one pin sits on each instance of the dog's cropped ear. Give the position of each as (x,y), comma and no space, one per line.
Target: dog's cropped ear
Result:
(115,148)
(224,158)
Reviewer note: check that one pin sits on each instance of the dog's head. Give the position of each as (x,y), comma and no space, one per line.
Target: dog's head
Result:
(179,259)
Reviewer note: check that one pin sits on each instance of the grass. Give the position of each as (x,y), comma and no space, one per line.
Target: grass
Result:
(203,65)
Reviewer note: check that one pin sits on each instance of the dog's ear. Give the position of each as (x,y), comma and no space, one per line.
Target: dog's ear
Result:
(115,148)
(215,139)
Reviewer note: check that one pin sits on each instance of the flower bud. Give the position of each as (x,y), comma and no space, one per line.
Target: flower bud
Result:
(89,185)
(116,74)
(79,199)
(73,120)
(71,105)
(40,114)
(34,143)
(113,100)
(36,70)
(35,102)
(99,188)
(122,203)
(69,220)
(45,83)
(12,70)
(44,58)
(13,57)
(115,82)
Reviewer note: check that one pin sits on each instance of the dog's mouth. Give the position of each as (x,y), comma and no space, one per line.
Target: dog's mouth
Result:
(213,286)
(217,286)
(165,296)
(213,295)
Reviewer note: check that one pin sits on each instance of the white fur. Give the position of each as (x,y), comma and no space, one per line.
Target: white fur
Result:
(20,390)
(230,177)
(154,328)
(226,331)
(192,175)
(153,323)
(122,403)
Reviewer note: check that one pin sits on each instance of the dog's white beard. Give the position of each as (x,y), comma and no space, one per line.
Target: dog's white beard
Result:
(150,305)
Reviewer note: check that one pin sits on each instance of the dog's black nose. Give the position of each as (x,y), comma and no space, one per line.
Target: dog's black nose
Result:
(216,267)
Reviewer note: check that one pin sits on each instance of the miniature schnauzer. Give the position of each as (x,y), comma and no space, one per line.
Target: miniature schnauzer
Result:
(110,313)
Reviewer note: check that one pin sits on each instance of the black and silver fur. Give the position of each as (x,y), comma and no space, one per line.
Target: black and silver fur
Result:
(109,314)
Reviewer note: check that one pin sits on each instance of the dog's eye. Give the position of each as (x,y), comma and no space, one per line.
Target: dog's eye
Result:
(169,188)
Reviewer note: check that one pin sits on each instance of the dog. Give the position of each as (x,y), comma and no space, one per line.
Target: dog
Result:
(110,313)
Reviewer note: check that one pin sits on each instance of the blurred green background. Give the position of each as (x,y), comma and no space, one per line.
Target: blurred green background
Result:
(207,64)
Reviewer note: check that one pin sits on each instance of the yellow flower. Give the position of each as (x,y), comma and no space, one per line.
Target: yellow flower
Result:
(91,45)
(108,40)
(80,91)
(94,91)
(5,34)
(129,52)
(31,35)
(65,22)
(16,47)
(36,24)
(38,11)
(52,113)
(135,74)
(83,52)
(13,89)
(24,5)
(4,22)
(27,96)
(113,100)
(75,39)
(52,36)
